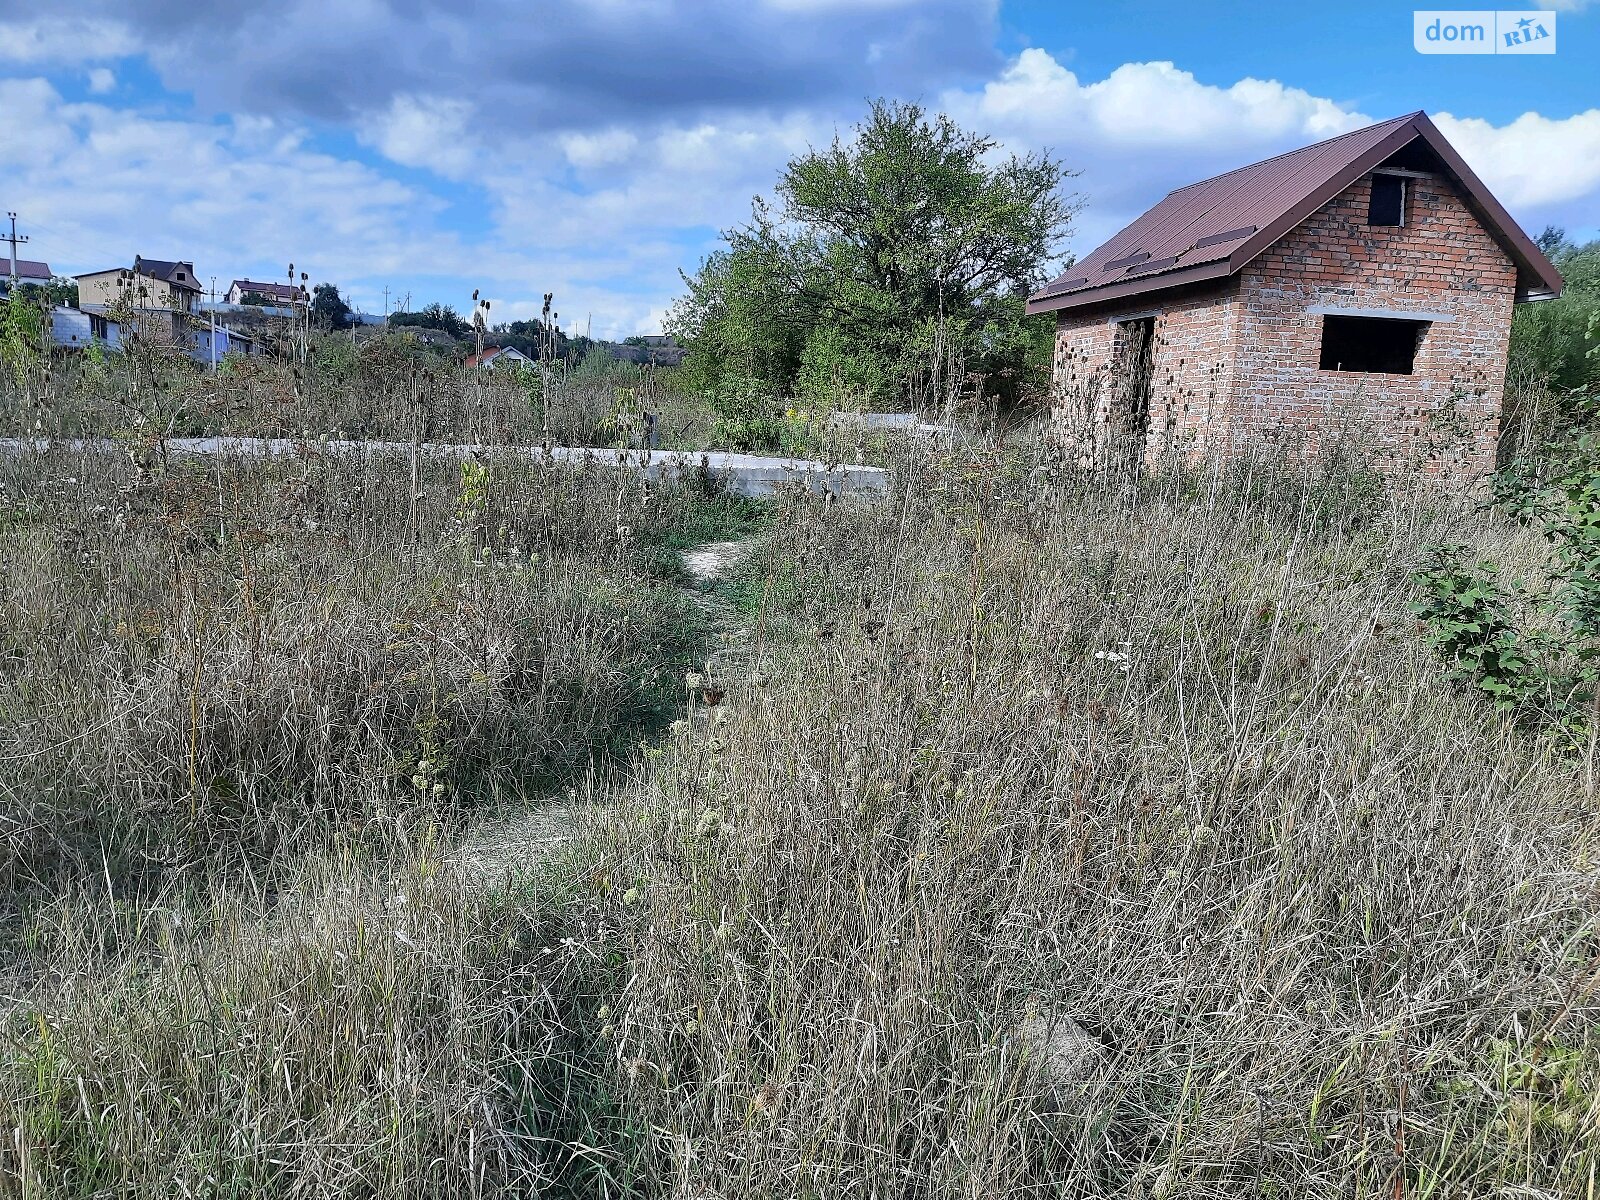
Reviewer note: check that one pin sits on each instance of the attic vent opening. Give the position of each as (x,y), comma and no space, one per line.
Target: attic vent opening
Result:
(1379,345)
(1388,203)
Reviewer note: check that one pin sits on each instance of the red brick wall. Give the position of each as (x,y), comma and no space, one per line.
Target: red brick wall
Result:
(1192,375)
(1445,415)
(1240,364)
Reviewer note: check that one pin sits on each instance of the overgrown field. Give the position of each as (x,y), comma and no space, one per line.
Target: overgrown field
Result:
(386,388)
(1053,837)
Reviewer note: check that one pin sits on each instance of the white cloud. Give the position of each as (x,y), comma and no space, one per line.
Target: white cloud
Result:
(431,132)
(65,39)
(607,148)
(1535,162)
(101,184)
(101,81)
(1144,104)
(1143,130)
(575,66)
(98,184)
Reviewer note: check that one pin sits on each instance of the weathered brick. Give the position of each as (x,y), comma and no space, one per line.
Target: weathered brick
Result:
(1236,364)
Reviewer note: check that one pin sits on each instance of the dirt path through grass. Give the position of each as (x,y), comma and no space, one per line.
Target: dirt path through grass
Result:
(493,851)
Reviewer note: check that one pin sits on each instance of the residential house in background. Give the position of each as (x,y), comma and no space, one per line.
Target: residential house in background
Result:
(74,329)
(285,294)
(70,329)
(160,297)
(152,283)
(498,356)
(28,271)
(210,344)
(1360,286)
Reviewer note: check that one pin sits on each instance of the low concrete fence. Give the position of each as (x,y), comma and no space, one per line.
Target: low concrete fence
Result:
(741,474)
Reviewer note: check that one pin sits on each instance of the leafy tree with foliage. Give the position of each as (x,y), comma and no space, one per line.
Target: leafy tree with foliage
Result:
(887,269)
(328,307)
(1556,340)
(57,292)
(434,316)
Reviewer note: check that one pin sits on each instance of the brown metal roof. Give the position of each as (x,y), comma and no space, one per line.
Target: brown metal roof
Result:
(1211,229)
(27,268)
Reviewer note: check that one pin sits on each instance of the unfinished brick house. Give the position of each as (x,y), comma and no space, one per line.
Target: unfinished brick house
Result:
(1361,287)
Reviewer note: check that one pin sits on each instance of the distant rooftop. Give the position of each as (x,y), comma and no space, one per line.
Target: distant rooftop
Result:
(27,268)
(274,291)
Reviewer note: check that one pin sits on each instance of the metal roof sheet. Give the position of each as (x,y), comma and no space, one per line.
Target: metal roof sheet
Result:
(27,268)
(1211,229)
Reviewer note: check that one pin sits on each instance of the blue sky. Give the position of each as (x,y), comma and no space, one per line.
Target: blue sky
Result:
(594,147)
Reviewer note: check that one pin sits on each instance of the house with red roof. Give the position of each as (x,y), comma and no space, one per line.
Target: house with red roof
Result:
(496,357)
(1362,287)
(28,271)
(285,295)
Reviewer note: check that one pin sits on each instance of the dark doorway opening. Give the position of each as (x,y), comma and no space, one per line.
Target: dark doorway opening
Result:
(1134,360)
(1377,344)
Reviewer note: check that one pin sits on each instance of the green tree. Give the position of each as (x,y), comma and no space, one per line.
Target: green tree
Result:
(58,291)
(888,267)
(434,316)
(1556,340)
(329,309)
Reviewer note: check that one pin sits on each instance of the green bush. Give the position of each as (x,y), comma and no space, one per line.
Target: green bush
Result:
(1534,649)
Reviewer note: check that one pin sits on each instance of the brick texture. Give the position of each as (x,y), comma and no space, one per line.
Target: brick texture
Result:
(1237,365)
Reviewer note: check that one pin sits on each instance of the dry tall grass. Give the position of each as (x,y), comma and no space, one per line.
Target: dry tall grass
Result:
(1063,838)
(222,663)
(1108,843)
(381,389)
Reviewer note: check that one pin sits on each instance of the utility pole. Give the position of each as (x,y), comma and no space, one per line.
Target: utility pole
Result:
(213,307)
(386,300)
(15,242)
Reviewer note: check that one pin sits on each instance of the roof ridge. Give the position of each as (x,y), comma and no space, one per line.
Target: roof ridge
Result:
(1267,199)
(1338,137)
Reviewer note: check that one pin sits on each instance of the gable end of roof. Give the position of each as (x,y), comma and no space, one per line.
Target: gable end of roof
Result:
(1186,238)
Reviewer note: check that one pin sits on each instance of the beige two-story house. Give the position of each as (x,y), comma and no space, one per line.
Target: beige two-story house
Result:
(150,283)
(154,296)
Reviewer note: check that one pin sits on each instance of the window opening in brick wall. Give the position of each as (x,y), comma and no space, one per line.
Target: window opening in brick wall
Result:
(1378,344)
(1388,204)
